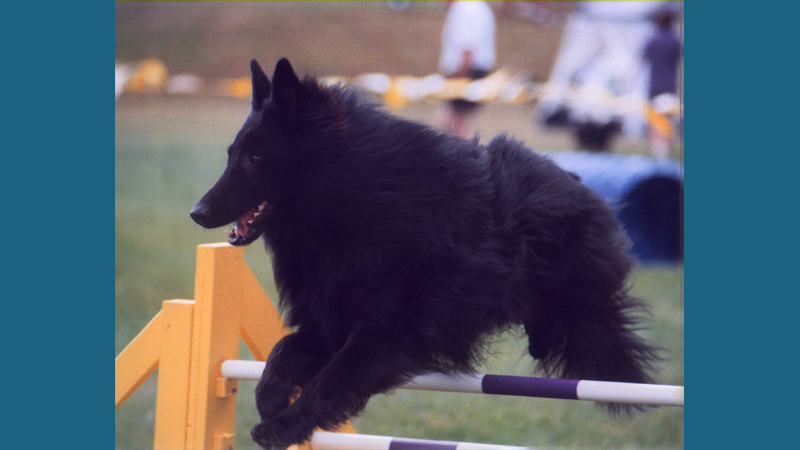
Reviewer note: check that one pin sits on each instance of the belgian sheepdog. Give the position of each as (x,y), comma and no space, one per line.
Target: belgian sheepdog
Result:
(399,250)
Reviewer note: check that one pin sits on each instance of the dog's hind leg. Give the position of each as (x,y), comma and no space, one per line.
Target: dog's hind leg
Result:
(293,362)
(367,364)
(545,335)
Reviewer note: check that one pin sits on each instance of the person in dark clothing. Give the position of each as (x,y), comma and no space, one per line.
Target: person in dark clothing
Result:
(662,53)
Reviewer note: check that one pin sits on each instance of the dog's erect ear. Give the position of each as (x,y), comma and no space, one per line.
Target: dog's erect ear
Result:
(286,87)
(261,86)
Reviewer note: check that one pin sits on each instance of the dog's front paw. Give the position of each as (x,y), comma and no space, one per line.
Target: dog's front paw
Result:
(273,399)
(279,434)
(264,436)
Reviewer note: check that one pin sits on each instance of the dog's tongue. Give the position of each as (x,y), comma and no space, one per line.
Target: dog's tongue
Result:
(240,226)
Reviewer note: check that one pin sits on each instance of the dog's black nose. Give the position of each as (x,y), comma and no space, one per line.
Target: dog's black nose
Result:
(200,214)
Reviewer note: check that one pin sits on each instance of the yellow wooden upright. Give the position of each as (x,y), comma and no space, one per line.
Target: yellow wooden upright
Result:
(172,400)
(215,338)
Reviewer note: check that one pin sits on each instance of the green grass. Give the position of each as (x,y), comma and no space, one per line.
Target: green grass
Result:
(169,151)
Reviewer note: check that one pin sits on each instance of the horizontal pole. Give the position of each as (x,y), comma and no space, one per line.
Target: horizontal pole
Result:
(598,391)
(323,440)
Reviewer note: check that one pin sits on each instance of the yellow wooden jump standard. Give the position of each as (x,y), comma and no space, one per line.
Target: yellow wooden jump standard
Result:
(189,339)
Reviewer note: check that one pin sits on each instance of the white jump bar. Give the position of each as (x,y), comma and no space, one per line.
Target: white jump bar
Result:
(600,391)
(323,440)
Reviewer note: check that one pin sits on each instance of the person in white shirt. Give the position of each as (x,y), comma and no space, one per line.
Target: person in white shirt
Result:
(468,51)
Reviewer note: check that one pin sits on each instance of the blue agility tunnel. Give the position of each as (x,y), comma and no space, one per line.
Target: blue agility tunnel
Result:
(648,194)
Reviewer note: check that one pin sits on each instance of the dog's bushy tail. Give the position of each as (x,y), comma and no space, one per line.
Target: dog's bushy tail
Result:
(602,343)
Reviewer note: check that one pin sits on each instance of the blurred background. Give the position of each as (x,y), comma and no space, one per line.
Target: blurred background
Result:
(572,79)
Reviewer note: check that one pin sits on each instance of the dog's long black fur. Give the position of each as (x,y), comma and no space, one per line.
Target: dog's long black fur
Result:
(399,250)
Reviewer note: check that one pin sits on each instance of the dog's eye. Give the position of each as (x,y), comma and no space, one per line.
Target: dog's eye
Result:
(255,159)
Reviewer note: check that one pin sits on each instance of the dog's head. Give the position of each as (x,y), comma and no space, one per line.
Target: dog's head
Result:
(258,156)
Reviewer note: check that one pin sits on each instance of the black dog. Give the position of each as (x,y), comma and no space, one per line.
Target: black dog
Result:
(398,250)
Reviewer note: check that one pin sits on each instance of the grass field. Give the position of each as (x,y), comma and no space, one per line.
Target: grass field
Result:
(170,150)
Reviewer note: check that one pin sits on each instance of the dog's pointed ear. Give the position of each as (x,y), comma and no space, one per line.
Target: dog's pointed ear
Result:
(261,86)
(286,87)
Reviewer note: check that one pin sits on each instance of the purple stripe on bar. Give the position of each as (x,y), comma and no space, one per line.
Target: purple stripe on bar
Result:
(530,386)
(421,444)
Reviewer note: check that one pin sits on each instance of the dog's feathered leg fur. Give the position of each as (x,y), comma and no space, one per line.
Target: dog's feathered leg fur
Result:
(338,391)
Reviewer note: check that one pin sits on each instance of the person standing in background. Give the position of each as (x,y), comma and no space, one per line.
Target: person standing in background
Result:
(468,51)
(663,54)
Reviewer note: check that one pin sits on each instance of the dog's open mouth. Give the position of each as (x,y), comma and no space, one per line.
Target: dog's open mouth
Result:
(247,228)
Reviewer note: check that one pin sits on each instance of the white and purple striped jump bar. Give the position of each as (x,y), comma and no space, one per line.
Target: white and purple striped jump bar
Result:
(323,440)
(598,391)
